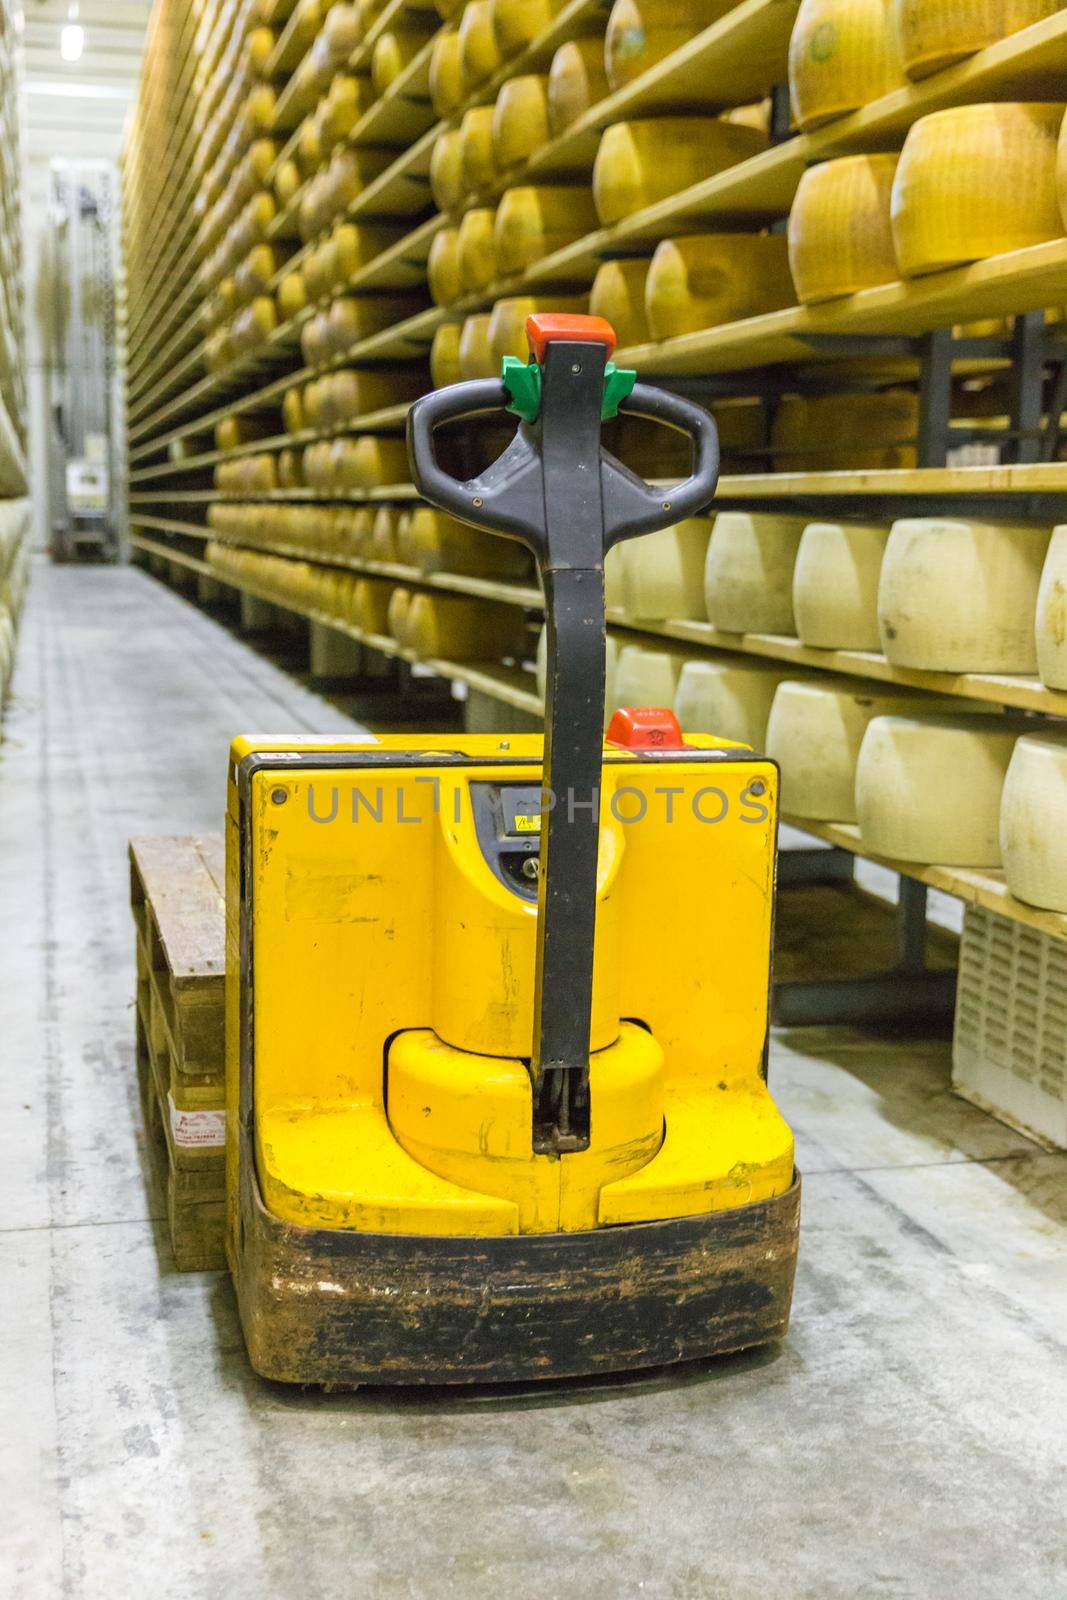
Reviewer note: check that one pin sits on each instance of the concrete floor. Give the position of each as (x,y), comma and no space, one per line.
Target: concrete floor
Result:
(907,1439)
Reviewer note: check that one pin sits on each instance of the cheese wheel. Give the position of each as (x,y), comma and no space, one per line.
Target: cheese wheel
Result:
(1033,821)
(840,237)
(475,352)
(707,279)
(663,572)
(641,32)
(935,33)
(815,731)
(433,541)
(345,104)
(618,295)
(647,677)
(476,148)
(928,788)
(356,528)
(835,585)
(576,81)
(292,295)
(234,431)
(828,433)
(393,52)
(520,120)
(748,575)
(444,356)
(477,263)
(960,595)
(533,221)
(356,244)
(382,546)
(516,23)
(479,52)
(1052,613)
(507,322)
(443,272)
(455,628)
(287,182)
(975,181)
(446,168)
(729,697)
(842,55)
(370,602)
(397,614)
(293,411)
(447,86)
(638,163)
(315,341)
(355,317)
(379,461)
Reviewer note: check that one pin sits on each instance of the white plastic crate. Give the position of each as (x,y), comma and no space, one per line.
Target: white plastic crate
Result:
(1009,1050)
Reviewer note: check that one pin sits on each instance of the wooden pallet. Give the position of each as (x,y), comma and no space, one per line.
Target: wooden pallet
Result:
(176,892)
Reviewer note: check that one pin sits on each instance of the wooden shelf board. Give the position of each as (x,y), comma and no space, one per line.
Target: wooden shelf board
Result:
(977,886)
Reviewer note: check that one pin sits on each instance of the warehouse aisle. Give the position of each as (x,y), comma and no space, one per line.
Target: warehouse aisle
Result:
(906,1440)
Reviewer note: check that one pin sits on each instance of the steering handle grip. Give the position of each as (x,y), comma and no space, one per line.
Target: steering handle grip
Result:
(508,496)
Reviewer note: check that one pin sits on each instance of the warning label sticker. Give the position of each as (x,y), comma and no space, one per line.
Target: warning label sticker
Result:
(196,1129)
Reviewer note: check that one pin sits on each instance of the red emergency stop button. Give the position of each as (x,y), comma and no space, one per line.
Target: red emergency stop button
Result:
(645,728)
(550,327)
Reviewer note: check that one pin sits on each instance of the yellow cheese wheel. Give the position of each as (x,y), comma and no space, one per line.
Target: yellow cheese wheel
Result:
(703,280)
(479,52)
(835,585)
(446,169)
(381,545)
(748,576)
(352,318)
(315,341)
(832,433)
(618,295)
(456,628)
(533,221)
(576,81)
(1033,821)
(645,676)
(477,264)
(840,237)
(975,181)
(293,411)
(476,149)
(356,244)
(393,52)
(370,602)
(447,87)
(516,23)
(520,120)
(292,295)
(928,787)
(1052,613)
(259,48)
(397,614)
(334,466)
(815,732)
(475,351)
(641,32)
(842,55)
(234,431)
(287,181)
(663,573)
(255,272)
(443,272)
(729,697)
(507,322)
(309,151)
(935,33)
(960,595)
(641,162)
(380,461)
(435,542)
(444,355)
(345,104)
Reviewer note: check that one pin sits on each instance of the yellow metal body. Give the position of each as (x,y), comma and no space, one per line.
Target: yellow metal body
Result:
(381,978)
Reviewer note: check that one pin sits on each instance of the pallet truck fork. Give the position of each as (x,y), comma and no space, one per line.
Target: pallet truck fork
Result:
(497,1007)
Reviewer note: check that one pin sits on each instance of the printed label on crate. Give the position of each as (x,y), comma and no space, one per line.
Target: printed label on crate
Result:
(196,1129)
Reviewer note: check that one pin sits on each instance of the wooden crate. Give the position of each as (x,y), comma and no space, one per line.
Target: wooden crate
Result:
(176,892)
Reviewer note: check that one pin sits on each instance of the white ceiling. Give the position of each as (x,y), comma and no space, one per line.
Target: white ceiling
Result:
(79,108)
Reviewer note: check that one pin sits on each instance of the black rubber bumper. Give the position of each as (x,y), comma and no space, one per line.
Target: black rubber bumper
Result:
(344,1309)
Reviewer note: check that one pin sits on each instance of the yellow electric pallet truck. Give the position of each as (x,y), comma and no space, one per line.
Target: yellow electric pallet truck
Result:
(497,1008)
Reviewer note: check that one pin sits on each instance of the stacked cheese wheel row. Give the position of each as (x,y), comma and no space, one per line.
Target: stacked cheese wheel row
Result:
(14,576)
(971,182)
(430,625)
(845,53)
(934,594)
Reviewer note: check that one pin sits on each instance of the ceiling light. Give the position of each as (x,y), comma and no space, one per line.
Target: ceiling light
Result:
(72,36)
